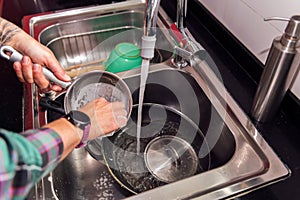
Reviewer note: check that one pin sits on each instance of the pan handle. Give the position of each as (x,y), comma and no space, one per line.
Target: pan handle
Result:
(94,149)
(13,55)
(47,103)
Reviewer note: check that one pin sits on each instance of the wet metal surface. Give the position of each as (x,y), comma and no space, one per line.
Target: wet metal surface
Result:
(241,158)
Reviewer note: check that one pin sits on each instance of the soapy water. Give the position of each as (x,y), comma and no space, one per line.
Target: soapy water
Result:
(97,90)
(104,185)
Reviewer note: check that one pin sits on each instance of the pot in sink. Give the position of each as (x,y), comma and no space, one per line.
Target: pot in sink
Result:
(89,86)
(127,157)
(83,89)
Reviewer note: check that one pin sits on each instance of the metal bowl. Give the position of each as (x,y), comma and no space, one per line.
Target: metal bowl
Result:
(170,158)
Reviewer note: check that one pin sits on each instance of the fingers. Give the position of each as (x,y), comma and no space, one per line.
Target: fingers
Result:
(18,70)
(48,59)
(28,72)
(119,114)
(105,116)
(111,116)
(58,71)
(38,77)
(24,70)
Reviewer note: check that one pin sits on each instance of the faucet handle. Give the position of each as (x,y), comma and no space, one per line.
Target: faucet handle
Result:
(182,57)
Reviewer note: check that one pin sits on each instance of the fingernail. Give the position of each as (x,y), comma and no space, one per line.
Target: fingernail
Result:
(17,67)
(68,78)
(122,120)
(25,60)
(36,67)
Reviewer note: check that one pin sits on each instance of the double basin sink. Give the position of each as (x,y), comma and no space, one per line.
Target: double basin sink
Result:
(240,159)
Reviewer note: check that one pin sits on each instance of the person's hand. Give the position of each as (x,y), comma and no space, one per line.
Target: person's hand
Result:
(105,116)
(34,52)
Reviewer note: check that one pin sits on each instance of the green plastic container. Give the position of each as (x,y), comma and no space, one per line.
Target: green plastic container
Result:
(125,56)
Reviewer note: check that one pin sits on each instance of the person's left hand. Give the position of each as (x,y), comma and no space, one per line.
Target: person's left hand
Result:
(34,52)
(40,55)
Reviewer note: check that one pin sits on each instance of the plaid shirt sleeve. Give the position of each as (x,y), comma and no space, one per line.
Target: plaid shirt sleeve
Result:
(25,159)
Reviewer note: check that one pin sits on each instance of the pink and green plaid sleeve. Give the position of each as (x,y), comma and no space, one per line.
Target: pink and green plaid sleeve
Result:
(25,159)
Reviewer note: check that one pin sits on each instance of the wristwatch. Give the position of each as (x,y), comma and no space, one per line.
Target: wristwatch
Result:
(82,121)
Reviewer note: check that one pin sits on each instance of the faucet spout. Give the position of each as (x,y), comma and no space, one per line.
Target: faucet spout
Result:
(151,13)
(149,37)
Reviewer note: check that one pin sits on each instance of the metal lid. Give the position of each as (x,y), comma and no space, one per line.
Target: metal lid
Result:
(170,158)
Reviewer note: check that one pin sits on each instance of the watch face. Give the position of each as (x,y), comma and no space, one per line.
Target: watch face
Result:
(79,119)
(80,116)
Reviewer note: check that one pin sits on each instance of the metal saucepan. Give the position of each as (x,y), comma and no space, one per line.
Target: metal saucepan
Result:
(127,163)
(81,90)
(89,86)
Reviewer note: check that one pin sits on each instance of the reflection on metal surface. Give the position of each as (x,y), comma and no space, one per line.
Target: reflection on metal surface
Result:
(80,176)
(82,13)
(170,158)
(241,159)
(97,37)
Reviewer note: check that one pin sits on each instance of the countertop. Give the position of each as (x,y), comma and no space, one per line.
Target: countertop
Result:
(240,73)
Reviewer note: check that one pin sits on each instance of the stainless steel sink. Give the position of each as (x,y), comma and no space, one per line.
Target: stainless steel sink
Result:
(88,40)
(241,160)
(180,91)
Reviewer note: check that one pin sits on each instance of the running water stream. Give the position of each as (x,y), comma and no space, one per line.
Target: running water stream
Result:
(143,80)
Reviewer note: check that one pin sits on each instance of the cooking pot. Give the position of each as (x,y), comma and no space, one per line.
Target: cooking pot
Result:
(83,89)
(128,166)
(89,86)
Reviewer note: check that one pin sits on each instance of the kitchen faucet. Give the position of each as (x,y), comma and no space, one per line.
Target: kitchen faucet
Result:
(149,37)
(186,46)
(280,63)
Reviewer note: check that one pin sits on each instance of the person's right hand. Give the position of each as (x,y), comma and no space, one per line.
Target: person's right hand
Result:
(105,116)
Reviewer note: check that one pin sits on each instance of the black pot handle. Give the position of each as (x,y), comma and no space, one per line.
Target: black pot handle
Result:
(47,103)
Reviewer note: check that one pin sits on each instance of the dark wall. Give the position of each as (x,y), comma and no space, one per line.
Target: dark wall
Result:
(14,10)
(11,98)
